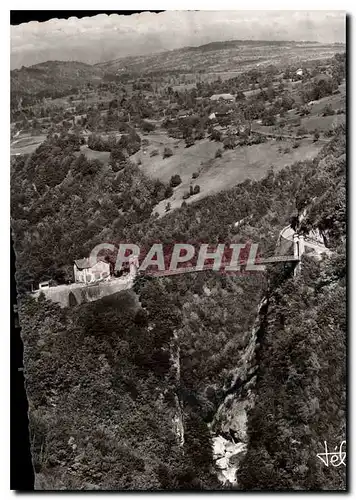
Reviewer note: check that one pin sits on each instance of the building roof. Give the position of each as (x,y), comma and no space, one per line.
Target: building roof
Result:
(226,97)
(85,263)
(82,263)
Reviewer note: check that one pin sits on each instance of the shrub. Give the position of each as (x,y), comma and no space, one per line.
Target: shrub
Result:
(184,204)
(186,195)
(329,133)
(216,135)
(195,175)
(218,153)
(200,134)
(167,152)
(175,181)
(230,142)
(154,153)
(97,143)
(316,136)
(304,111)
(268,118)
(196,189)
(168,192)
(327,110)
(296,144)
(168,207)
(147,126)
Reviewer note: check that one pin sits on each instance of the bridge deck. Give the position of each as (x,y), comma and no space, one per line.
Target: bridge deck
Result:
(210,267)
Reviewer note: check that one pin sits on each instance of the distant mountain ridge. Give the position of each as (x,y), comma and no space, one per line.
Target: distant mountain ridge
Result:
(214,57)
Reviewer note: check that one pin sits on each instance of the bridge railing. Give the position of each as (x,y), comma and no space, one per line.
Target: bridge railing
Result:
(210,267)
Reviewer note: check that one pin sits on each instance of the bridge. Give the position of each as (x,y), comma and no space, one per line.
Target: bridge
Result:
(210,267)
(288,239)
(77,293)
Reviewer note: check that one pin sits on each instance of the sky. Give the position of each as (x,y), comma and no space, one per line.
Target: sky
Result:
(104,38)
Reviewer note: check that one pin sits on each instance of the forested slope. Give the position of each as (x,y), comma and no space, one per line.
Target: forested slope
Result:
(103,388)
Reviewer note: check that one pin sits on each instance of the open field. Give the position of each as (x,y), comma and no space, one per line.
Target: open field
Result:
(217,174)
(322,123)
(26,144)
(184,161)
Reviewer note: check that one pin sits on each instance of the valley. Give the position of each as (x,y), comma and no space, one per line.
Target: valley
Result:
(204,381)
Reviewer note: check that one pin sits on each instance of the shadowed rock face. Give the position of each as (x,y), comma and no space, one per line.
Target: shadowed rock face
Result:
(228,456)
(229,426)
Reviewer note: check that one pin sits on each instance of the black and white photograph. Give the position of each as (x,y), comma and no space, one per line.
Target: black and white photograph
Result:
(178,213)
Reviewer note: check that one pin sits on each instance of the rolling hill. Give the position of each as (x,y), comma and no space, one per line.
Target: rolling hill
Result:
(234,55)
(218,58)
(53,76)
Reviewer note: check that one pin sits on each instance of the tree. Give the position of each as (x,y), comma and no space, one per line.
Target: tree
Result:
(196,189)
(328,110)
(168,192)
(216,135)
(268,117)
(175,181)
(167,152)
(189,141)
(147,126)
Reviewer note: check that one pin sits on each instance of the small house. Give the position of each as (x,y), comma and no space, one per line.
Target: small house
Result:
(85,273)
(223,97)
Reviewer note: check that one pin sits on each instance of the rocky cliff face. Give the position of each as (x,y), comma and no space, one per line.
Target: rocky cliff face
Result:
(229,426)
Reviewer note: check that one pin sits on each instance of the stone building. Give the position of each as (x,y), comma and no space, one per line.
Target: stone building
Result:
(84,273)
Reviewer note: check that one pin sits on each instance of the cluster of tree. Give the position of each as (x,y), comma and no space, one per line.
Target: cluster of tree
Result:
(98,143)
(192,191)
(127,390)
(321,86)
(301,402)
(63,204)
